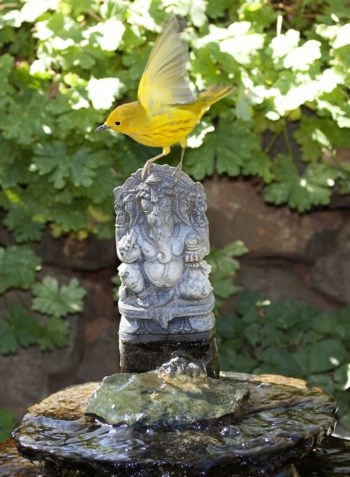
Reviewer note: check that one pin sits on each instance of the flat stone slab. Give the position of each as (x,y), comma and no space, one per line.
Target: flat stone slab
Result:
(281,422)
(156,399)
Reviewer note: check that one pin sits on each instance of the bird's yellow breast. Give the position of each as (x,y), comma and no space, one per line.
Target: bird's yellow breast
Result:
(166,129)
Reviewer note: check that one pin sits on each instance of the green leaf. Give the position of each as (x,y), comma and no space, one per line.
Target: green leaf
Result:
(24,325)
(231,144)
(279,361)
(336,105)
(287,314)
(232,361)
(55,335)
(7,423)
(24,223)
(300,192)
(56,301)
(317,134)
(8,342)
(342,377)
(52,159)
(25,118)
(249,300)
(229,327)
(82,167)
(200,162)
(71,217)
(18,267)
(326,355)
(323,381)
(6,66)
(235,145)
(259,165)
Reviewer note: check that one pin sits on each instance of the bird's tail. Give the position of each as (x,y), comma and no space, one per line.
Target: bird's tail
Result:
(214,94)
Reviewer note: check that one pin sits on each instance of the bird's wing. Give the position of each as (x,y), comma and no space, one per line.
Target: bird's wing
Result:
(165,80)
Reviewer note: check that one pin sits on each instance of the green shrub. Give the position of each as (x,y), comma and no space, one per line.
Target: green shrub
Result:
(71,61)
(7,423)
(289,338)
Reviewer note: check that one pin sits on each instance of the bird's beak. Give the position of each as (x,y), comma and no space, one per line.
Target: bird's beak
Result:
(102,127)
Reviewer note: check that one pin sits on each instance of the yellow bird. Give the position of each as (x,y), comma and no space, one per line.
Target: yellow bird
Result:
(167,109)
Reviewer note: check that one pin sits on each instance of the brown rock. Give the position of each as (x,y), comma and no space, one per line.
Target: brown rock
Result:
(101,357)
(236,210)
(68,404)
(282,281)
(70,253)
(13,465)
(331,273)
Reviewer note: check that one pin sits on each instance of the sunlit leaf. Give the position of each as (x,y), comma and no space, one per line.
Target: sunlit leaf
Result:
(57,301)
(18,267)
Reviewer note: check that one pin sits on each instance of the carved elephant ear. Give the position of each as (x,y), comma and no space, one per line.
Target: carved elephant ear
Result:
(131,206)
(198,217)
(118,197)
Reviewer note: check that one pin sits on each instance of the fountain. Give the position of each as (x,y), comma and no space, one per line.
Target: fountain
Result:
(170,412)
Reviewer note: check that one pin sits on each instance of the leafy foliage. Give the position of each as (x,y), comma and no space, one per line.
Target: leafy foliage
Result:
(21,327)
(18,266)
(289,338)
(7,423)
(72,61)
(223,269)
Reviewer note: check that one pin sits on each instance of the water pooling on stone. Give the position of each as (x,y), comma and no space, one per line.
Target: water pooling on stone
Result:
(276,422)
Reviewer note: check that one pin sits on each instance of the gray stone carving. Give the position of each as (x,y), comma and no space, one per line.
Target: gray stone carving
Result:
(162,239)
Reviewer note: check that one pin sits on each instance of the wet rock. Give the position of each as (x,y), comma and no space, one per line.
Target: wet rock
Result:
(13,465)
(172,395)
(281,422)
(68,404)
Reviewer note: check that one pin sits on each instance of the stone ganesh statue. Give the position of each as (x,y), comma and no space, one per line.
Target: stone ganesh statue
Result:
(162,239)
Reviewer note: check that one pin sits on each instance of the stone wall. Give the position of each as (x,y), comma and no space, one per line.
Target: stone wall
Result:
(303,257)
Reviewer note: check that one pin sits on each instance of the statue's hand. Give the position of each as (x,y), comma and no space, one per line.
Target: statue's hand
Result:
(128,249)
(192,257)
(194,252)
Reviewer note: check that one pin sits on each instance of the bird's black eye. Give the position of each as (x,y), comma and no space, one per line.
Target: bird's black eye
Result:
(117,123)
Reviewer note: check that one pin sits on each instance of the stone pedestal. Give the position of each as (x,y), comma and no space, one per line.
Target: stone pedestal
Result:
(142,357)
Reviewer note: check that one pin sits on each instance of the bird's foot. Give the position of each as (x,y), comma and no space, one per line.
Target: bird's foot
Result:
(178,171)
(146,169)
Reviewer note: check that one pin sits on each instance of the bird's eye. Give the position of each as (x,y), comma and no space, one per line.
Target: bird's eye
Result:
(117,123)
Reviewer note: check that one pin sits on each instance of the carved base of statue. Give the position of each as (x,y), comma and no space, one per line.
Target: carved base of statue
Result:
(162,238)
